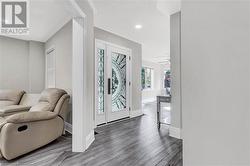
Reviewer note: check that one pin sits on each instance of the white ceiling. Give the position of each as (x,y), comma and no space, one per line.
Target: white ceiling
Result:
(117,16)
(46,18)
(120,17)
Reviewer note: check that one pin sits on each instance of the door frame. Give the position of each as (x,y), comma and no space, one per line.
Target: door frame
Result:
(105,43)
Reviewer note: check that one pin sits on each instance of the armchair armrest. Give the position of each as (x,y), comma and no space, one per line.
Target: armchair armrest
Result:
(13,109)
(31,117)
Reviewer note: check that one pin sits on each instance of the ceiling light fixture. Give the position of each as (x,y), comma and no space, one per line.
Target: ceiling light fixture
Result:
(138,26)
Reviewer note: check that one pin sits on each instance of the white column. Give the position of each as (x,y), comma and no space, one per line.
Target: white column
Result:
(78,86)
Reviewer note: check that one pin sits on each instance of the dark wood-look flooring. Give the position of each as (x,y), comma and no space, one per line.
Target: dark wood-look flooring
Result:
(130,142)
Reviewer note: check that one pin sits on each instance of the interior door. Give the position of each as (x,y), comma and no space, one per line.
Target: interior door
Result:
(50,80)
(118,83)
(112,83)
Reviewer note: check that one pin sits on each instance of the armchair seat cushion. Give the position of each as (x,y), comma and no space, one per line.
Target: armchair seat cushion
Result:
(41,106)
(6,103)
(13,109)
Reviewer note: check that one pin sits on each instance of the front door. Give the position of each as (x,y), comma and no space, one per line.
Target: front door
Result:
(112,82)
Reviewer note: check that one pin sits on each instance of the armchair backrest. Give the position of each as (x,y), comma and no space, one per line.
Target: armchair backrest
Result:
(54,100)
(10,97)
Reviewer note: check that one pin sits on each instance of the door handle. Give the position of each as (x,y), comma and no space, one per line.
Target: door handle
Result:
(109,85)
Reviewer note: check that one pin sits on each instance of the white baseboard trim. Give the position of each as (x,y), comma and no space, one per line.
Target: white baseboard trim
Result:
(68,127)
(175,132)
(135,113)
(90,138)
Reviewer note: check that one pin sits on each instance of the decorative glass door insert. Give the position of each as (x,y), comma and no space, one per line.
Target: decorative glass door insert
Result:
(100,56)
(118,82)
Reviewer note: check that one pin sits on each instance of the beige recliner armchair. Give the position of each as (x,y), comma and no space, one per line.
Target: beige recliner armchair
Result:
(24,132)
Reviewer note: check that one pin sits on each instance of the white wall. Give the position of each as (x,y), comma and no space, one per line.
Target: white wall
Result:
(36,67)
(175,55)
(136,63)
(22,65)
(61,41)
(149,95)
(216,82)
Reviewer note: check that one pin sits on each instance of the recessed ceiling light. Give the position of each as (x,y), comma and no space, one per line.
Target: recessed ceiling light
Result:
(138,26)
